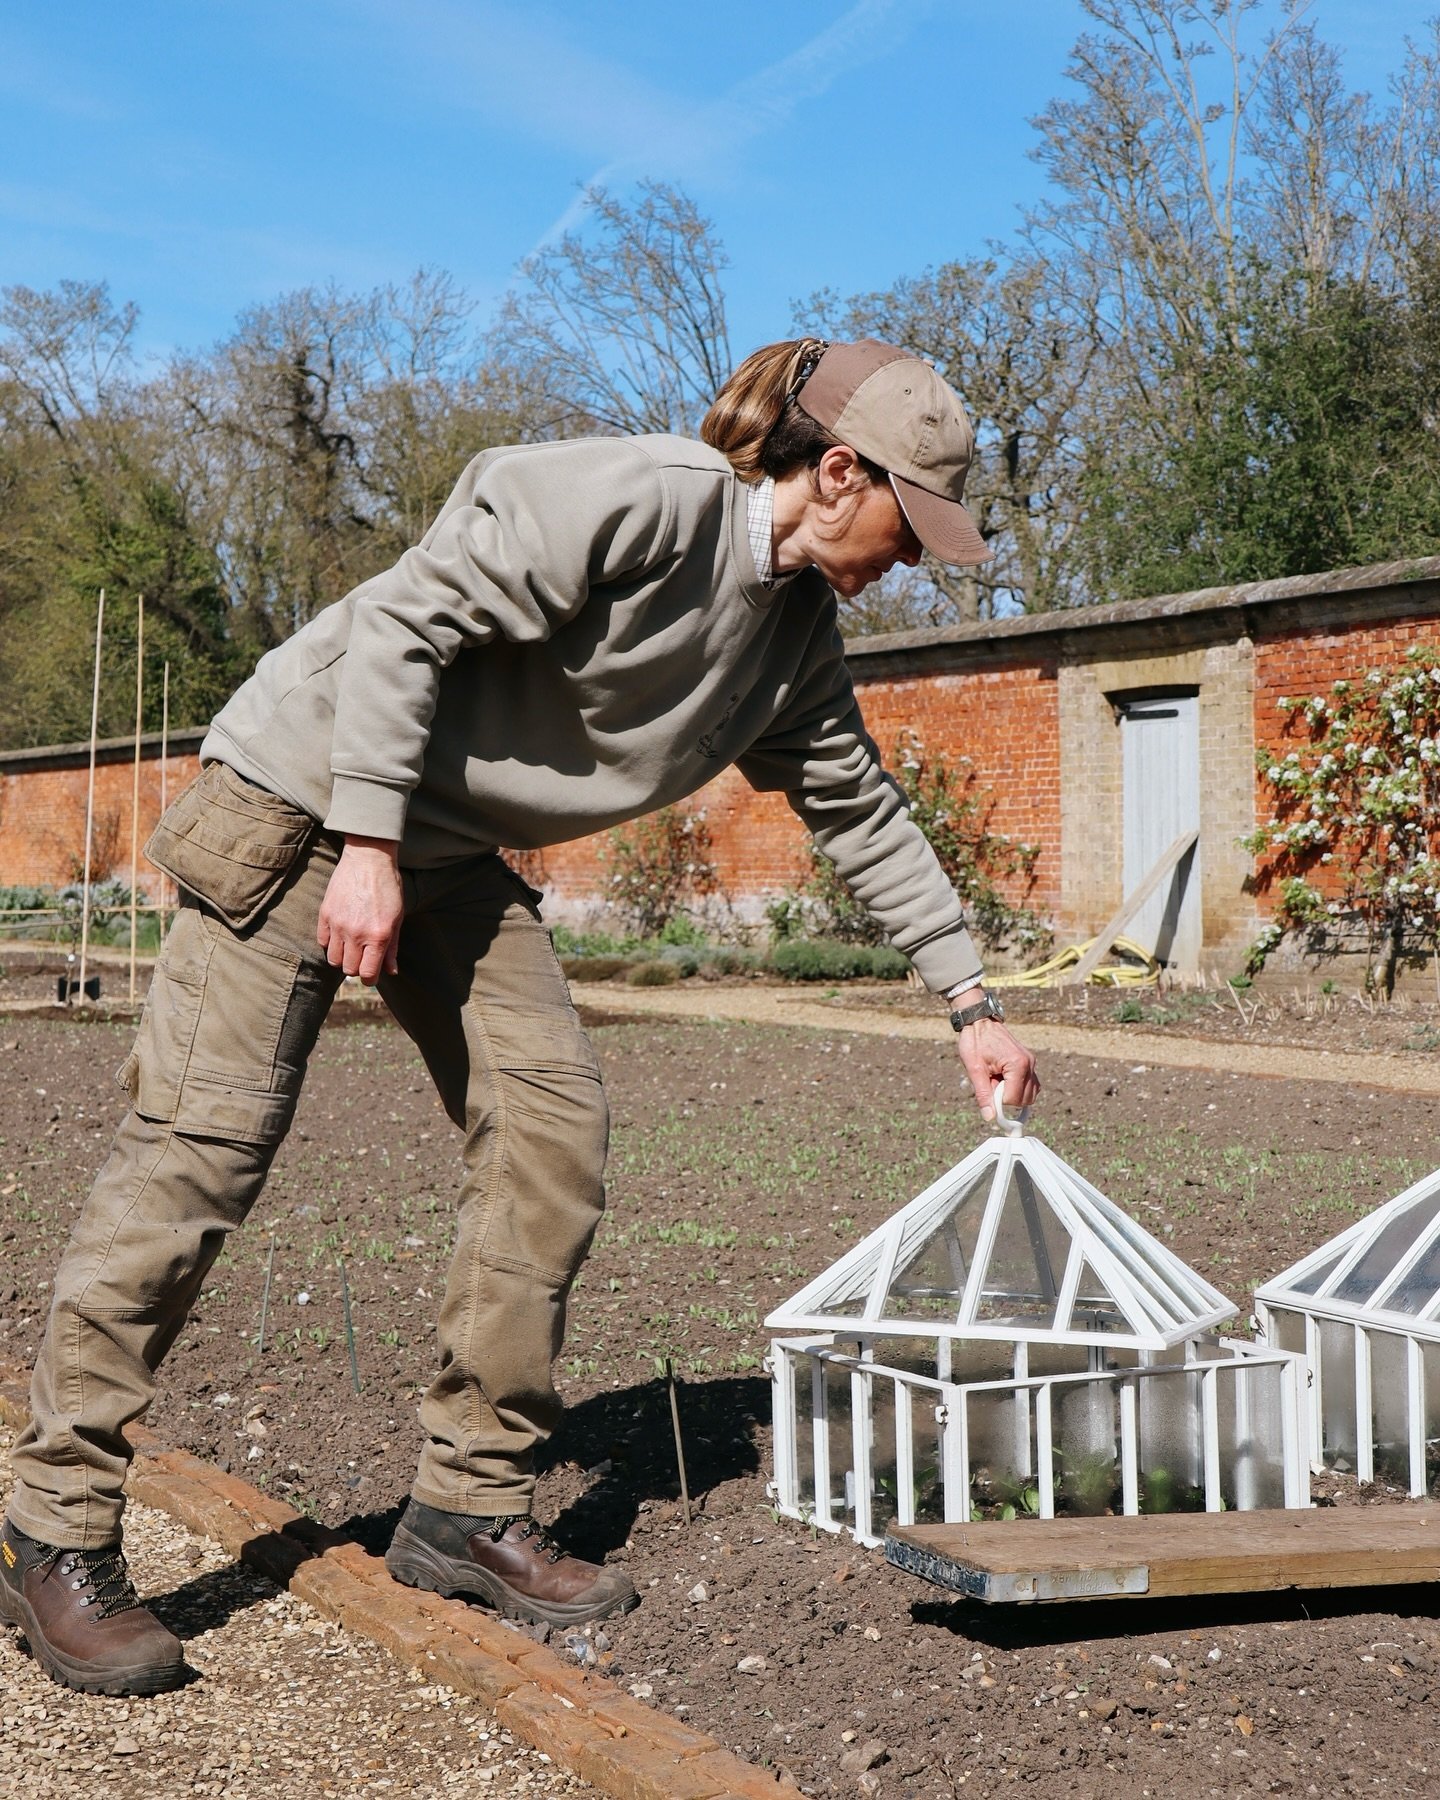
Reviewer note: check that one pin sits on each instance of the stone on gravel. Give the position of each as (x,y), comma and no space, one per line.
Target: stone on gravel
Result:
(752,1665)
(868,1755)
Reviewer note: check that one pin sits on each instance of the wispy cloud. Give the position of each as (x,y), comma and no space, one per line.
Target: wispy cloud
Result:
(517,69)
(702,144)
(56,85)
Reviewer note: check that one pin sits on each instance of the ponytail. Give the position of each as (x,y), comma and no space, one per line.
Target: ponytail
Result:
(755,422)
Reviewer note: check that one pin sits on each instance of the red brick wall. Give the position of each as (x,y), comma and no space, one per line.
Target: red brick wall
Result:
(42,820)
(1006,721)
(1004,717)
(1300,662)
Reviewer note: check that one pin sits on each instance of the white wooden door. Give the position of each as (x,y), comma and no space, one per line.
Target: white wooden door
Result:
(1160,760)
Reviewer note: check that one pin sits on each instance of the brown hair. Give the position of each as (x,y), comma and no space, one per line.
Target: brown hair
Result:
(755,422)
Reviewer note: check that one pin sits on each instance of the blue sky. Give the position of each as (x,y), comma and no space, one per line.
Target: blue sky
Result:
(204,155)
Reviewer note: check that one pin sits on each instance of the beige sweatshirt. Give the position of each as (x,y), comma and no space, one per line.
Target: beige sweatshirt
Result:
(580,638)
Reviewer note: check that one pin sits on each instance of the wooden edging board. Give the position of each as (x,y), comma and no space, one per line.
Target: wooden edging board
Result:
(1173,1554)
(578,1719)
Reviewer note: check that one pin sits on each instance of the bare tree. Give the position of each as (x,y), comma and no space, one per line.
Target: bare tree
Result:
(621,324)
(68,353)
(323,436)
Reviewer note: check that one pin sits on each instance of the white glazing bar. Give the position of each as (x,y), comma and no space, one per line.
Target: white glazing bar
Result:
(1024,1463)
(1134,1300)
(782,1402)
(1292,1446)
(1210,1410)
(985,1237)
(955,1456)
(1364,1409)
(904,1453)
(1415,1414)
(1172,1286)
(821,1427)
(1129,1450)
(884,1272)
(1314,1395)
(1069,1285)
(861,1453)
(854,1273)
(944,1356)
(1044,1452)
(1336,1278)
(1398,1275)
(1244,1447)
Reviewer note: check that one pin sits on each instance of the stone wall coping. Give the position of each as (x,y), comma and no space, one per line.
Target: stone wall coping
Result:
(1409,585)
(1412,584)
(107,750)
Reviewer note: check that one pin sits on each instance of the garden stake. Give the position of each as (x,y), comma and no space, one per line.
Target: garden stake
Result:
(349,1326)
(164,761)
(90,804)
(135,784)
(679,1447)
(265,1297)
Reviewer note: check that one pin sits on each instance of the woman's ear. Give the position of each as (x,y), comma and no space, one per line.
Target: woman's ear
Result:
(840,473)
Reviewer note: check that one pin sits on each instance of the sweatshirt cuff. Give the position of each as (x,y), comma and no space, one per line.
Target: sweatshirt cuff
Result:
(367,808)
(945,961)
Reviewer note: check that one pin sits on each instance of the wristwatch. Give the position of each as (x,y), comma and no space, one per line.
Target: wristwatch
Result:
(988,1008)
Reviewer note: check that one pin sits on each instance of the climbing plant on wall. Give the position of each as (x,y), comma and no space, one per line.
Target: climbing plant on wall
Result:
(1353,841)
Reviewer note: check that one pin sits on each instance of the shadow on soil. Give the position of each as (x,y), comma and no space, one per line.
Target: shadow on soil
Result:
(625,1441)
(1090,1621)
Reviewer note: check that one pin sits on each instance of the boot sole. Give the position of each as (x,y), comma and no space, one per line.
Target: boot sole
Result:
(415,1564)
(86,1678)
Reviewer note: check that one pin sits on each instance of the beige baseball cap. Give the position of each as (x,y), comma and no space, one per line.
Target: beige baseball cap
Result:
(898,412)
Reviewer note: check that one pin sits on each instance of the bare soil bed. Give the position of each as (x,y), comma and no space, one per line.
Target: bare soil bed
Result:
(1290,1013)
(745,1160)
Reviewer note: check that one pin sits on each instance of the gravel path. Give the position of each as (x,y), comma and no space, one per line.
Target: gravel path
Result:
(768,1006)
(287,1703)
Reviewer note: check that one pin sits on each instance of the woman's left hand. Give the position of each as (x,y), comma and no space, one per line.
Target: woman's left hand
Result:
(991,1054)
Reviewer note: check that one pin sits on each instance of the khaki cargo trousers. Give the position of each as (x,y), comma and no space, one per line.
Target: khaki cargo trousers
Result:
(239,995)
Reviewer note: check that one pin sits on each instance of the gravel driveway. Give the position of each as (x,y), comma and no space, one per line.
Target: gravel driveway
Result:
(286,1703)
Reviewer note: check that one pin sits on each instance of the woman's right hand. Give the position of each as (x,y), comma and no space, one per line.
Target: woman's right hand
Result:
(359,928)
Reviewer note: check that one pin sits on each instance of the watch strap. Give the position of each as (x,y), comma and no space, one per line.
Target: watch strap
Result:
(986,1008)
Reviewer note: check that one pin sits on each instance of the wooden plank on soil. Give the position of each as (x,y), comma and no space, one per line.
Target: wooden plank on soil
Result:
(1172,1554)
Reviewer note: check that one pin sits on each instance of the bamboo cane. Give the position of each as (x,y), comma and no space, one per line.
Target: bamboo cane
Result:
(90,802)
(135,783)
(349,1324)
(679,1444)
(164,779)
(265,1297)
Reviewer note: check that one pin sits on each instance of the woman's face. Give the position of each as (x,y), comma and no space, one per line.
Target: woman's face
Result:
(868,536)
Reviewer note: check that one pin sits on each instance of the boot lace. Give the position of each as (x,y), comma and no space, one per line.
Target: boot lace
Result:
(544,1544)
(104,1572)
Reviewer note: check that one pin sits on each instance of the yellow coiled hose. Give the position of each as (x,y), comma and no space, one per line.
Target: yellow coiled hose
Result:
(1139,970)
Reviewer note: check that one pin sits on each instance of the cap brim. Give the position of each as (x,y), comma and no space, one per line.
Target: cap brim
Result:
(942,526)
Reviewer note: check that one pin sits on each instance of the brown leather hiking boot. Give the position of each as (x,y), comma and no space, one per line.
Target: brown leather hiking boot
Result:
(83,1619)
(511,1564)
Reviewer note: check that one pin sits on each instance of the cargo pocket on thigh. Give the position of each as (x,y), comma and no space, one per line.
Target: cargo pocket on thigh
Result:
(556,1133)
(207,1060)
(230,842)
